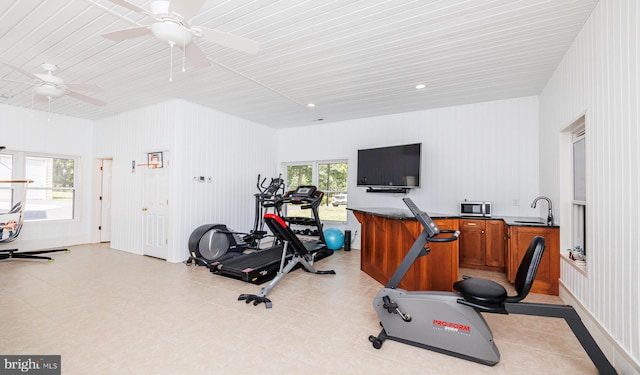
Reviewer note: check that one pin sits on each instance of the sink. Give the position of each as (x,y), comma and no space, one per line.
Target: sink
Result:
(530,222)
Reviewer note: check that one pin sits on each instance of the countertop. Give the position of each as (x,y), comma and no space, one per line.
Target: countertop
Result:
(405,214)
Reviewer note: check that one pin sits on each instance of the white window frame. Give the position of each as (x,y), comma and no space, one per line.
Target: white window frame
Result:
(315,176)
(7,190)
(578,207)
(19,159)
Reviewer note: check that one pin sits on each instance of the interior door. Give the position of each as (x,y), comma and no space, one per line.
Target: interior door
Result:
(105,201)
(156,210)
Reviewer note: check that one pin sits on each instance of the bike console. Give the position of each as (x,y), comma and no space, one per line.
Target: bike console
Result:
(428,224)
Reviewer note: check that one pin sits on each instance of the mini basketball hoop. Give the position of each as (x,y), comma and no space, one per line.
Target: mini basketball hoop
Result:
(154,160)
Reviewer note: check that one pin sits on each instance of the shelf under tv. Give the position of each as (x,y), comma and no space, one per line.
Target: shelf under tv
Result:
(394,190)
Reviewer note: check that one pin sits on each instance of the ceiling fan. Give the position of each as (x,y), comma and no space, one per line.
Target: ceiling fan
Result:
(172,25)
(47,86)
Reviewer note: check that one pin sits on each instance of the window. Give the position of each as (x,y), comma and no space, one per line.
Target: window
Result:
(579,203)
(329,177)
(51,195)
(6,190)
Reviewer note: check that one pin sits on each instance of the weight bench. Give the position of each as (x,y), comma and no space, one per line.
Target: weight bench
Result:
(301,256)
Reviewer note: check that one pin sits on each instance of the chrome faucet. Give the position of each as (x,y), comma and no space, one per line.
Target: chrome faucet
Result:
(550,214)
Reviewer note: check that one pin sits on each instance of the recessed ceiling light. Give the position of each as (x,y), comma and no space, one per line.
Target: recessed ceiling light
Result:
(311,105)
(420,86)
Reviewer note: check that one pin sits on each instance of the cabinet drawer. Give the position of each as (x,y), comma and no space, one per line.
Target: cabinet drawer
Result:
(472,224)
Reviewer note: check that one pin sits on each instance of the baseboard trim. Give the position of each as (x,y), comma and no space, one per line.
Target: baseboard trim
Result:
(617,355)
(49,243)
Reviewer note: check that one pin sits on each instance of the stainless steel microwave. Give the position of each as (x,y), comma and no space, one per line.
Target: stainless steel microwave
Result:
(475,209)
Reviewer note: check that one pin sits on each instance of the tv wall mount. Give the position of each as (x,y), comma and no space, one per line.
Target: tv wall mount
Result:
(392,190)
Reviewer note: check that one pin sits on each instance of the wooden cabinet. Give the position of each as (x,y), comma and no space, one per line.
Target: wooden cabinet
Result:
(385,242)
(482,244)
(472,244)
(548,275)
(488,244)
(496,245)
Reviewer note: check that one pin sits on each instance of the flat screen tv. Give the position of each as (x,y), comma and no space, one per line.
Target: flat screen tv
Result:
(393,166)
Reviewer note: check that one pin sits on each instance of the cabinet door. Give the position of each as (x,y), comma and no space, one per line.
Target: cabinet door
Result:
(443,263)
(436,271)
(495,245)
(472,243)
(548,274)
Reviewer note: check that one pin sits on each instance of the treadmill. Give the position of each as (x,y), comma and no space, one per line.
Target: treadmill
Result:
(263,265)
(255,268)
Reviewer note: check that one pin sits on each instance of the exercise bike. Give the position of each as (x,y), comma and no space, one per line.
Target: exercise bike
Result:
(451,323)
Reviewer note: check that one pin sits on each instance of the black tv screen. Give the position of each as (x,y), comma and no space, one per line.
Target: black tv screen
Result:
(394,166)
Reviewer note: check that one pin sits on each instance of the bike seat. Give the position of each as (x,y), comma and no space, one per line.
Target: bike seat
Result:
(481,291)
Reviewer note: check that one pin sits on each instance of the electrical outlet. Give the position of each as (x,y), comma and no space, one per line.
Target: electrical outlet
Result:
(516,202)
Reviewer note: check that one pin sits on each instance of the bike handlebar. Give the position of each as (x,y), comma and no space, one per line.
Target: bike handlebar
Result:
(456,234)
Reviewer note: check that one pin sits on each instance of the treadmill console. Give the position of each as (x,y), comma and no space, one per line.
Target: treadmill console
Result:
(305,197)
(303,194)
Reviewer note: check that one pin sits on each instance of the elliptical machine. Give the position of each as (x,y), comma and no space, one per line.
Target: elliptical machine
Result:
(267,197)
(451,323)
(216,243)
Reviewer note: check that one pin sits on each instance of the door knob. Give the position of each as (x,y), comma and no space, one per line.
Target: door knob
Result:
(144,209)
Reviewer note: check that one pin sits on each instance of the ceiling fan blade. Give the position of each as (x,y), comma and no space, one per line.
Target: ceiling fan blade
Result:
(185,9)
(87,99)
(195,56)
(84,87)
(129,6)
(22,71)
(126,34)
(228,40)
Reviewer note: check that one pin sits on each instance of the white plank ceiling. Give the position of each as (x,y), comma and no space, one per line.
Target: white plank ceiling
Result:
(351,58)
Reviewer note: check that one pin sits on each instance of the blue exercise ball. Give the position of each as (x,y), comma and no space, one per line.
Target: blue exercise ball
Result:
(334,238)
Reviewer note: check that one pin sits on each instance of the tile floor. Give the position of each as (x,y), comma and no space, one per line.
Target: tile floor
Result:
(110,312)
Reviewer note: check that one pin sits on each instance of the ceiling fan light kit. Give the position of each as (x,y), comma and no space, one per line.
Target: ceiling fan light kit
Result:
(171,32)
(49,91)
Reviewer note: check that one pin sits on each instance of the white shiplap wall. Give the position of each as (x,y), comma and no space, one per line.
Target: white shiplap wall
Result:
(40,132)
(126,138)
(200,142)
(484,151)
(599,77)
(230,150)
